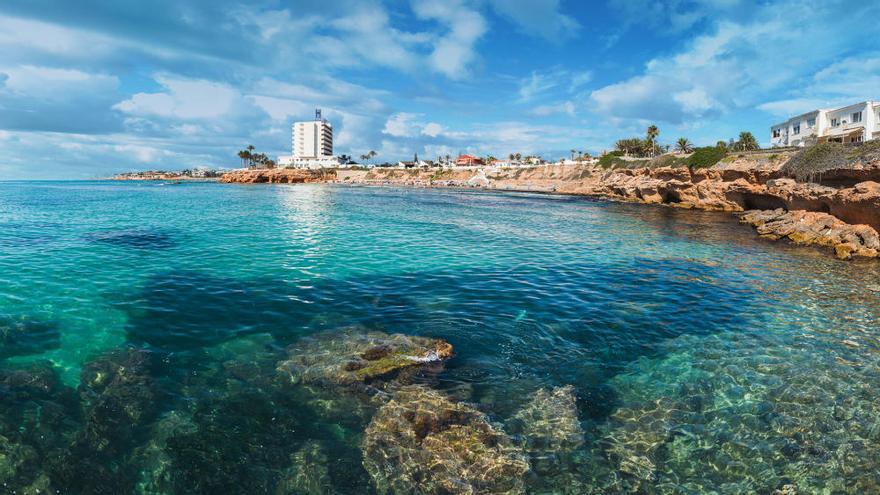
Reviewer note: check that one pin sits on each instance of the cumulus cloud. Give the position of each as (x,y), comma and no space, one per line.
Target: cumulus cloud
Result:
(734,66)
(453,50)
(183,99)
(405,124)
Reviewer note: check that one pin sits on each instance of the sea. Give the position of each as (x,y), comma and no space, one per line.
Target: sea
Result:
(142,325)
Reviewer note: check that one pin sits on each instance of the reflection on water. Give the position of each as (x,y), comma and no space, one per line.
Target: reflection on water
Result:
(599,348)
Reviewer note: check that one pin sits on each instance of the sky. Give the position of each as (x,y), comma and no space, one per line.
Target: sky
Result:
(91,88)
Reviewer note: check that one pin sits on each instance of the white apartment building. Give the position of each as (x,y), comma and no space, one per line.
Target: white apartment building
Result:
(851,124)
(312,145)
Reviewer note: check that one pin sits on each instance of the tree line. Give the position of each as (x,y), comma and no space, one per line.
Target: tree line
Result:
(647,147)
(251,159)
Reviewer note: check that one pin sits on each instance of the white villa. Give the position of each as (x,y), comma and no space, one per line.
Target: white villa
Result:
(312,145)
(851,124)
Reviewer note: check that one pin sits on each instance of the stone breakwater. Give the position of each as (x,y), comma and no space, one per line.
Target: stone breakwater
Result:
(845,207)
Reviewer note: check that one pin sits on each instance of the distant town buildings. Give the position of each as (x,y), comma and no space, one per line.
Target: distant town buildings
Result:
(311,144)
(851,124)
(468,160)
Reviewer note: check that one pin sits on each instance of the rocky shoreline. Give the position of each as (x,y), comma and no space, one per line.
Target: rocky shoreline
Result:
(841,211)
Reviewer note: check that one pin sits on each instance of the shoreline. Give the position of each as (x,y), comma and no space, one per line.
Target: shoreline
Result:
(843,219)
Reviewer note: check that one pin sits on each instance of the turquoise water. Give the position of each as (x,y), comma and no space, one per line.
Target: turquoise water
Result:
(142,324)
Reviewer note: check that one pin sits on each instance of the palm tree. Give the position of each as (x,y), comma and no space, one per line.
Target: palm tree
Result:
(372,154)
(243,155)
(573,151)
(747,141)
(518,156)
(683,145)
(630,145)
(652,134)
(721,145)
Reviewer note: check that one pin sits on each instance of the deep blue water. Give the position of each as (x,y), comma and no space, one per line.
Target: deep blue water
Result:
(704,359)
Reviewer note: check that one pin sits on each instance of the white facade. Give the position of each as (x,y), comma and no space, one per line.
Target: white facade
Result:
(312,145)
(850,124)
(312,139)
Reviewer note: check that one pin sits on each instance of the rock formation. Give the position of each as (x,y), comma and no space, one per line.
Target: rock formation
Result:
(278,176)
(354,358)
(308,474)
(549,423)
(420,442)
(807,227)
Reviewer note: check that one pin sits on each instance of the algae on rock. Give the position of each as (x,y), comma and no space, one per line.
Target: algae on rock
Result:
(420,442)
(351,358)
(308,474)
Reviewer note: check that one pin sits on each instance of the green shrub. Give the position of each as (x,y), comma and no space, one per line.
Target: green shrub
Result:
(612,160)
(705,157)
(668,161)
(812,162)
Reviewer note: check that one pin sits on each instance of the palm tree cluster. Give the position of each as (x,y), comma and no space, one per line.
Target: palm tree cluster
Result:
(369,155)
(251,159)
(746,142)
(639,147)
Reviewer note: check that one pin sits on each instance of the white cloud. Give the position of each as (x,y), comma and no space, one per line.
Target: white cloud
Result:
(546,82)
(677,15)
(55,84)
(566,107)
(734,66)
(408,125)
(453,51)
(432,129)
(183,99)
(540,18)
(402,125)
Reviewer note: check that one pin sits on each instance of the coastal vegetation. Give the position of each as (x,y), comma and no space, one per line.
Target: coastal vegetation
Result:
(683,145)
(369,155)
(810,163)
(250,158)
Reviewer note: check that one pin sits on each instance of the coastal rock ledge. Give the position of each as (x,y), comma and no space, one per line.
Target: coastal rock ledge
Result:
(278,176)
(810,227)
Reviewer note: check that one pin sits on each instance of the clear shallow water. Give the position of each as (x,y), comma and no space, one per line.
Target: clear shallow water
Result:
(704,360)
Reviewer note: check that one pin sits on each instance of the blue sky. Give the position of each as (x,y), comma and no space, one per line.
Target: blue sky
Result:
(90,88)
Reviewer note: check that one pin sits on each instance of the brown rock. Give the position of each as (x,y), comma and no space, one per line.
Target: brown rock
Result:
(807,227)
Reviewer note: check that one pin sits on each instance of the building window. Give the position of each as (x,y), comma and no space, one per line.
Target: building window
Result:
(796,129)
(776,133)
(811,122)
(835,121)
(856,117)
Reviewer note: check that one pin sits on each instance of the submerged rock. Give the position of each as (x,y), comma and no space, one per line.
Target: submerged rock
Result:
(549,423)
(549,432)
(20,336)
(308,474)
(157,473)
(350,358)
(118,399)
(420,442)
